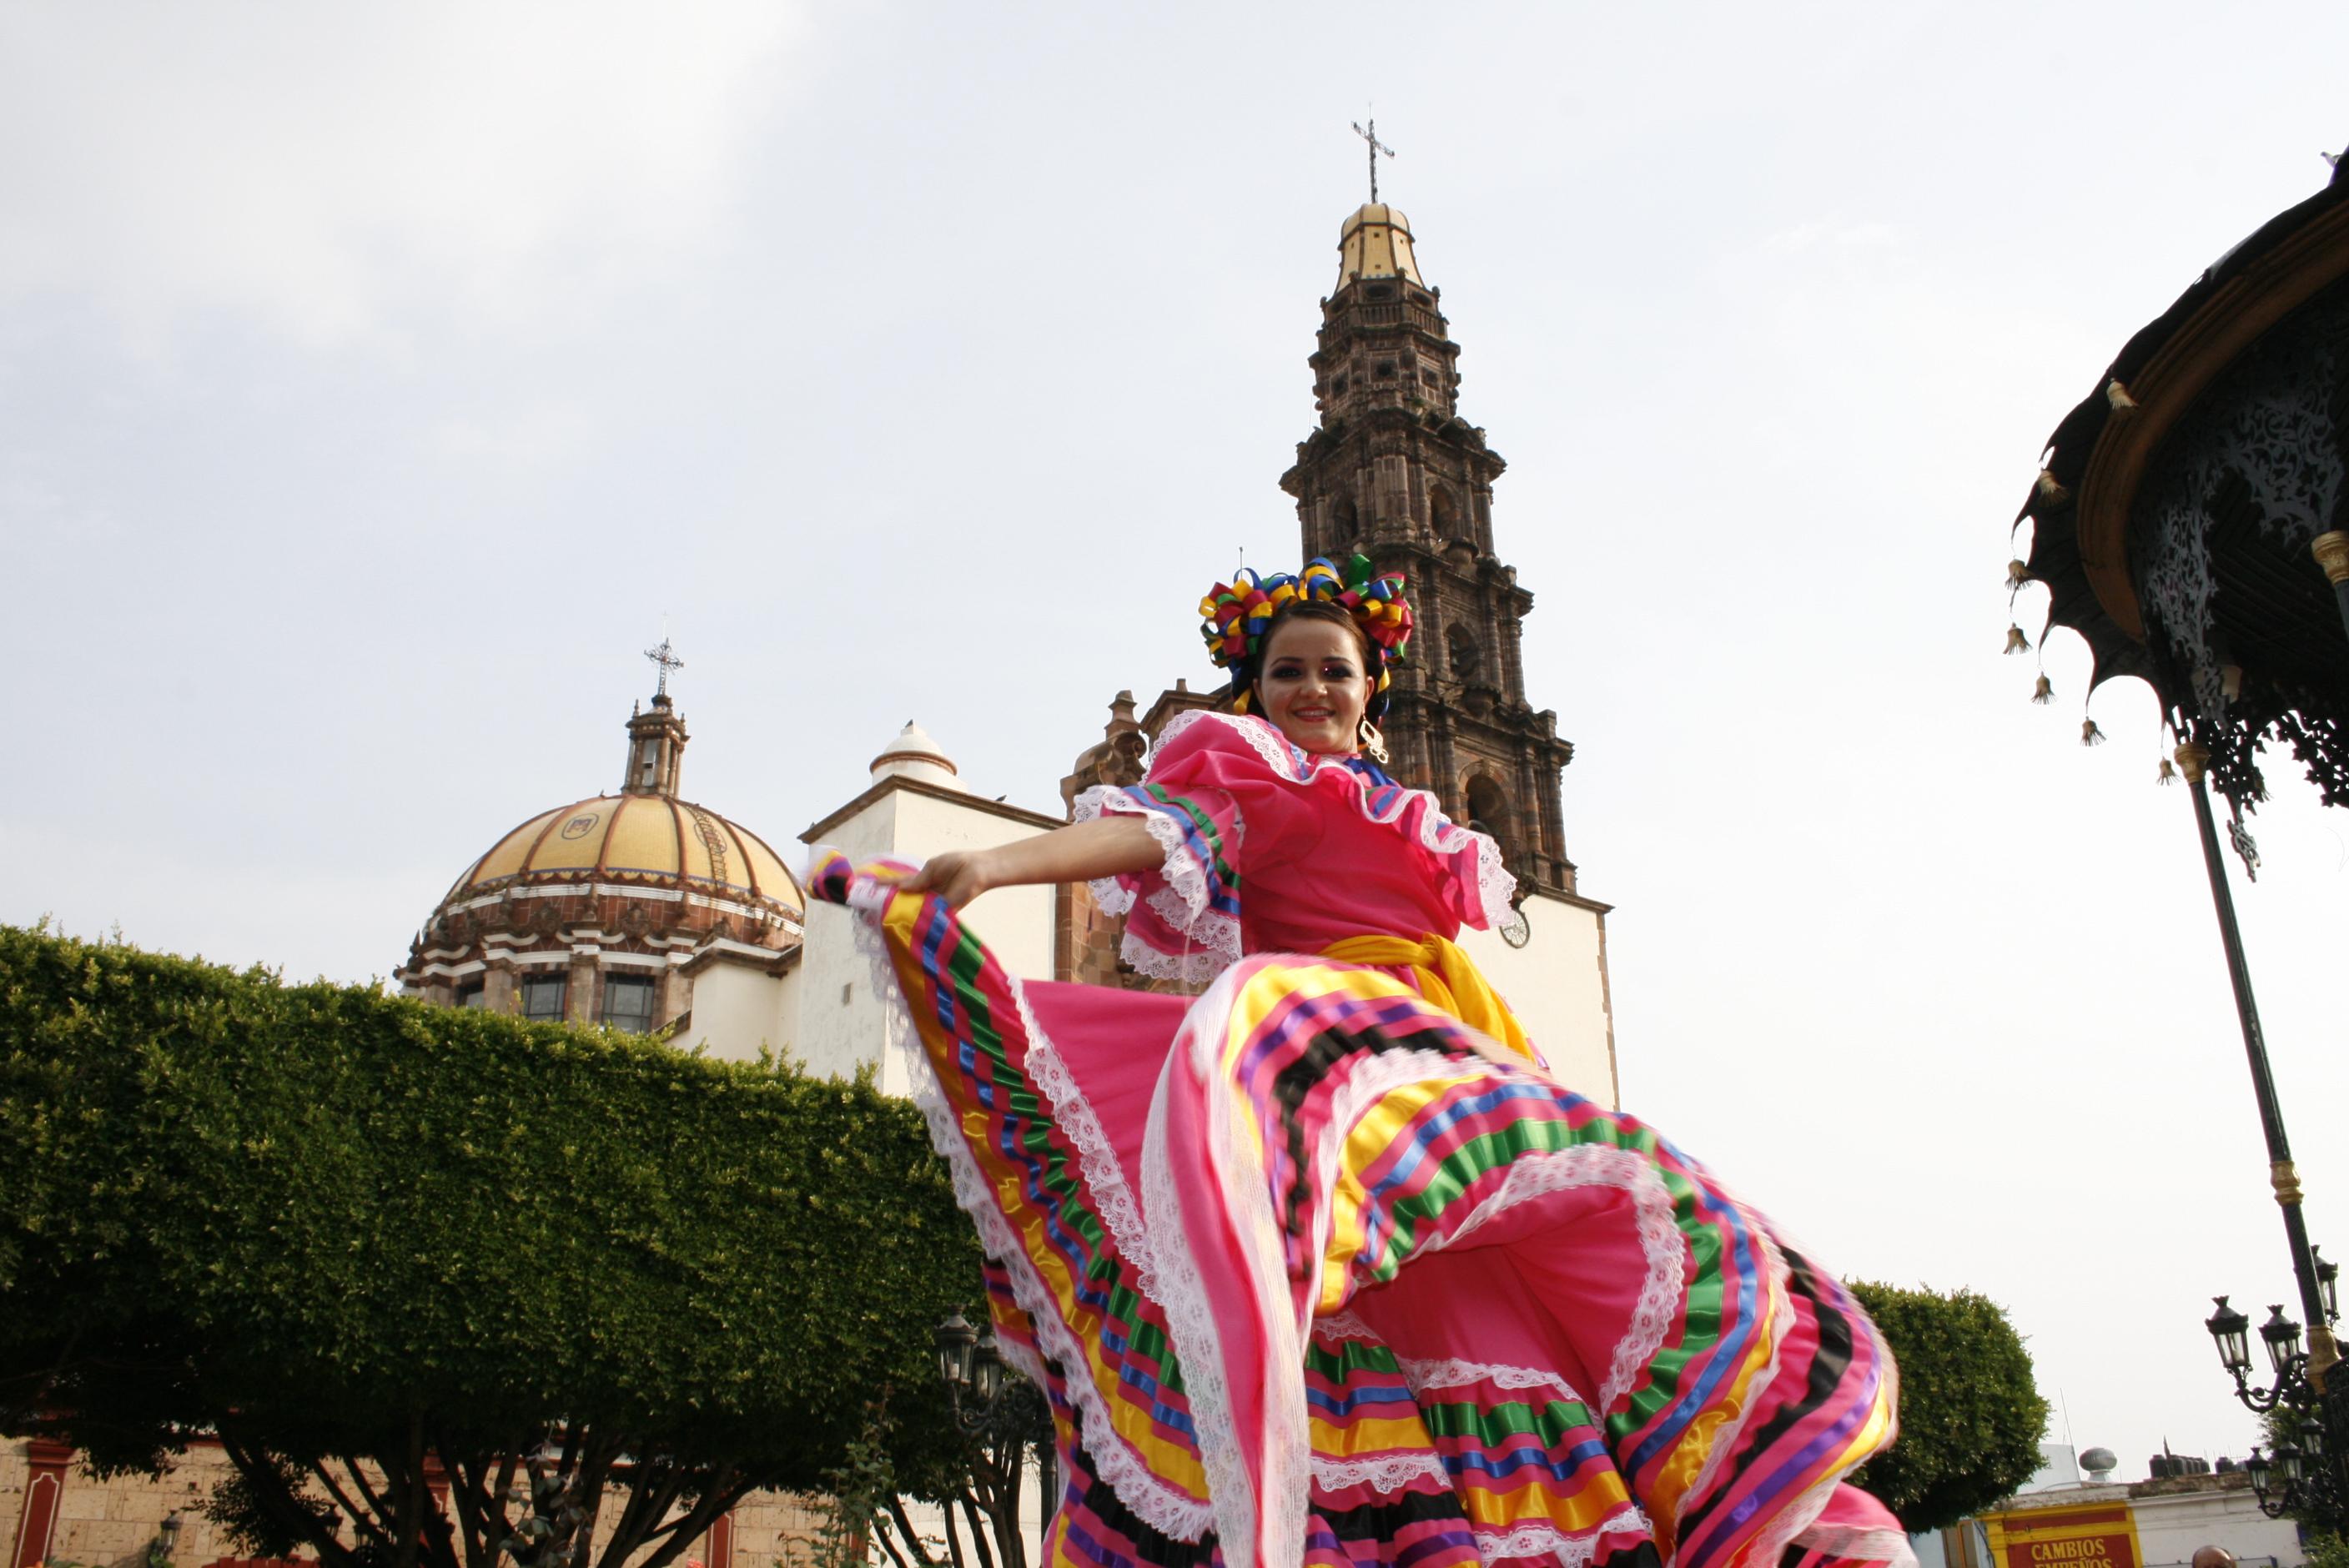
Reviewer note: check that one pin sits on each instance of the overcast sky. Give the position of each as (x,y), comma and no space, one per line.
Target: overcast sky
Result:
(374,384)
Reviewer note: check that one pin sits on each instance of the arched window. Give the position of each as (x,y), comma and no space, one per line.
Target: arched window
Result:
(1343,523)
(1489,811)
(1443,511)
(1467,654)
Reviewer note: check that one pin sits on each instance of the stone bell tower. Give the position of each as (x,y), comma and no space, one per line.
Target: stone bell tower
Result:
(1394,472)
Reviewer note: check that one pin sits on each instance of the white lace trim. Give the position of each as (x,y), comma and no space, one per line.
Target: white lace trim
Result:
(1182,904)
(1453,1372)
(1159,1505)
(1218,934)
(1536,1175)
(1235,1174)
(1859,1543)
(1113,1199)
(1346,1325)
(1793,1520)
(1495,885)
(1574,1551)
(1380,1472)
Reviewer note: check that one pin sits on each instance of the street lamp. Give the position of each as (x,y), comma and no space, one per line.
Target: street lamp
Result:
(2328,1284)
(957,1341)
(986,1371)
(2282,1336)
(2301,1474)
(1009,1414)
(2231,1330)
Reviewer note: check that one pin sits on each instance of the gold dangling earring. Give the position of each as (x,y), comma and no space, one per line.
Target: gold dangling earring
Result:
(1374,745)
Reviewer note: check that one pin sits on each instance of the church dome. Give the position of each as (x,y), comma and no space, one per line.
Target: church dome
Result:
(619,909)
(634,840)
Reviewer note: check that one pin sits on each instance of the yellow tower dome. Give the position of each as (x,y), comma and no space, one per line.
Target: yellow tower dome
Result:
(1374,241)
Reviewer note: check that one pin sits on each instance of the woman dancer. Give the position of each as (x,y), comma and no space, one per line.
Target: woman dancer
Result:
(1323,1267)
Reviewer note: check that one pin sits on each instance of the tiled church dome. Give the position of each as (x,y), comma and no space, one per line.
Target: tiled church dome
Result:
(634,840)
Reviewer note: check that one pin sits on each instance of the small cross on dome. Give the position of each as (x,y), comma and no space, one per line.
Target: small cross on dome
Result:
(668,660)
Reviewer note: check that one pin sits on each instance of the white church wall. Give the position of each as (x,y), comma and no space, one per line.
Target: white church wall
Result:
(837,1028)
(736,1010)
(1556,985)
(787,1010)
(1016,923)
(838,1025)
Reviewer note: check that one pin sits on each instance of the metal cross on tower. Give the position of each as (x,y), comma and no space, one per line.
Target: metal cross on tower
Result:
(1369,133)
(668,661)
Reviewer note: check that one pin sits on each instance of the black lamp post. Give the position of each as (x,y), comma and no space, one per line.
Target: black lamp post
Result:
(2302,1475)
(983,1401)
(968,1365)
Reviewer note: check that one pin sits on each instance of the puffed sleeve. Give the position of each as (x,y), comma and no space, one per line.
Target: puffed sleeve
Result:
(1211,785)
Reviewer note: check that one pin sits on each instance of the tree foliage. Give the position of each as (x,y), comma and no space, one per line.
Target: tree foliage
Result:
(1971,1415)
(344,1232)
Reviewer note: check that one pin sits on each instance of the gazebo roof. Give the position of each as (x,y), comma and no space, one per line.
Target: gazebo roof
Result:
(2156,439)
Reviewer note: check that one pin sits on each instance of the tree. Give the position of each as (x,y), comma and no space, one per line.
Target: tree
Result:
(354,1236)
(1970,1416)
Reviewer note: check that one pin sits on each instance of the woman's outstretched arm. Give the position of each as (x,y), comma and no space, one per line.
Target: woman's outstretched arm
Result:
(1078,852)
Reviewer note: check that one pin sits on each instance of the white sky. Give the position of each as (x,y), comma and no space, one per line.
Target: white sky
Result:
(372,384)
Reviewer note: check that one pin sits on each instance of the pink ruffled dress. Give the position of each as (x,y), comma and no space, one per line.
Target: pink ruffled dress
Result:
(1312,1271)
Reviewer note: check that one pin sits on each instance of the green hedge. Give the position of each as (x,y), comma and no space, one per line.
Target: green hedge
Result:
(329,1210)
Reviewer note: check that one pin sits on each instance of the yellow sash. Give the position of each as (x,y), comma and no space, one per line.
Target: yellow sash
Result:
(1446,976)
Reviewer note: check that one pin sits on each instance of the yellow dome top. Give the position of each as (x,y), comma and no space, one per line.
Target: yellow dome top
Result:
(1375,242)
(636,839)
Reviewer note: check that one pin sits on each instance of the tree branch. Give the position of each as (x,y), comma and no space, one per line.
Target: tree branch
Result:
(363,1519)
(905,1528)
(978,1532)
(266,1485)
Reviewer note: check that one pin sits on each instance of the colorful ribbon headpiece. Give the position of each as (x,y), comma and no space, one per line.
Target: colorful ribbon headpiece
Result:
(1238,614)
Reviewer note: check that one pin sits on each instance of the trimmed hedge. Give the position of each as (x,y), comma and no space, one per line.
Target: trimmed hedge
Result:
(334,1213)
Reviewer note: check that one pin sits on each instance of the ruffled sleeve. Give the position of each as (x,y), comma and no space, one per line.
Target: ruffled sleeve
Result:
(1183,918)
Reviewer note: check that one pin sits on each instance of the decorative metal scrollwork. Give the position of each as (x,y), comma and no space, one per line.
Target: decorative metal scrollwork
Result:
(2239,487)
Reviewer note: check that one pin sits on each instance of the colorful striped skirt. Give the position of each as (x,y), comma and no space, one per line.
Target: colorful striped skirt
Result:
(1309,1274)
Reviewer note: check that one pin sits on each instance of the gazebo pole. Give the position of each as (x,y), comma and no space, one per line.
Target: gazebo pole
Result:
(2332,553)
(2194,760)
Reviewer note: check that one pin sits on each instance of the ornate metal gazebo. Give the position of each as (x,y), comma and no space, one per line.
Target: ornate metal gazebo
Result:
(2181,504)
(2190,520)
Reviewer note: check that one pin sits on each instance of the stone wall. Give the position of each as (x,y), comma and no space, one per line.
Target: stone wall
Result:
(112,1523)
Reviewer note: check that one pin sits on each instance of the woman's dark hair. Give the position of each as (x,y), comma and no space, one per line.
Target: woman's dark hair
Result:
(1316,610)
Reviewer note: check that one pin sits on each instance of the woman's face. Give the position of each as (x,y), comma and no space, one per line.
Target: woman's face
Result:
(1314,687)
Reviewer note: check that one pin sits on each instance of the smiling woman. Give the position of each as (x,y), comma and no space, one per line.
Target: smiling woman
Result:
(1325,1267)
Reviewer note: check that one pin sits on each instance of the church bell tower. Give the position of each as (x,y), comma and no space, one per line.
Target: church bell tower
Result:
(1394,472)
